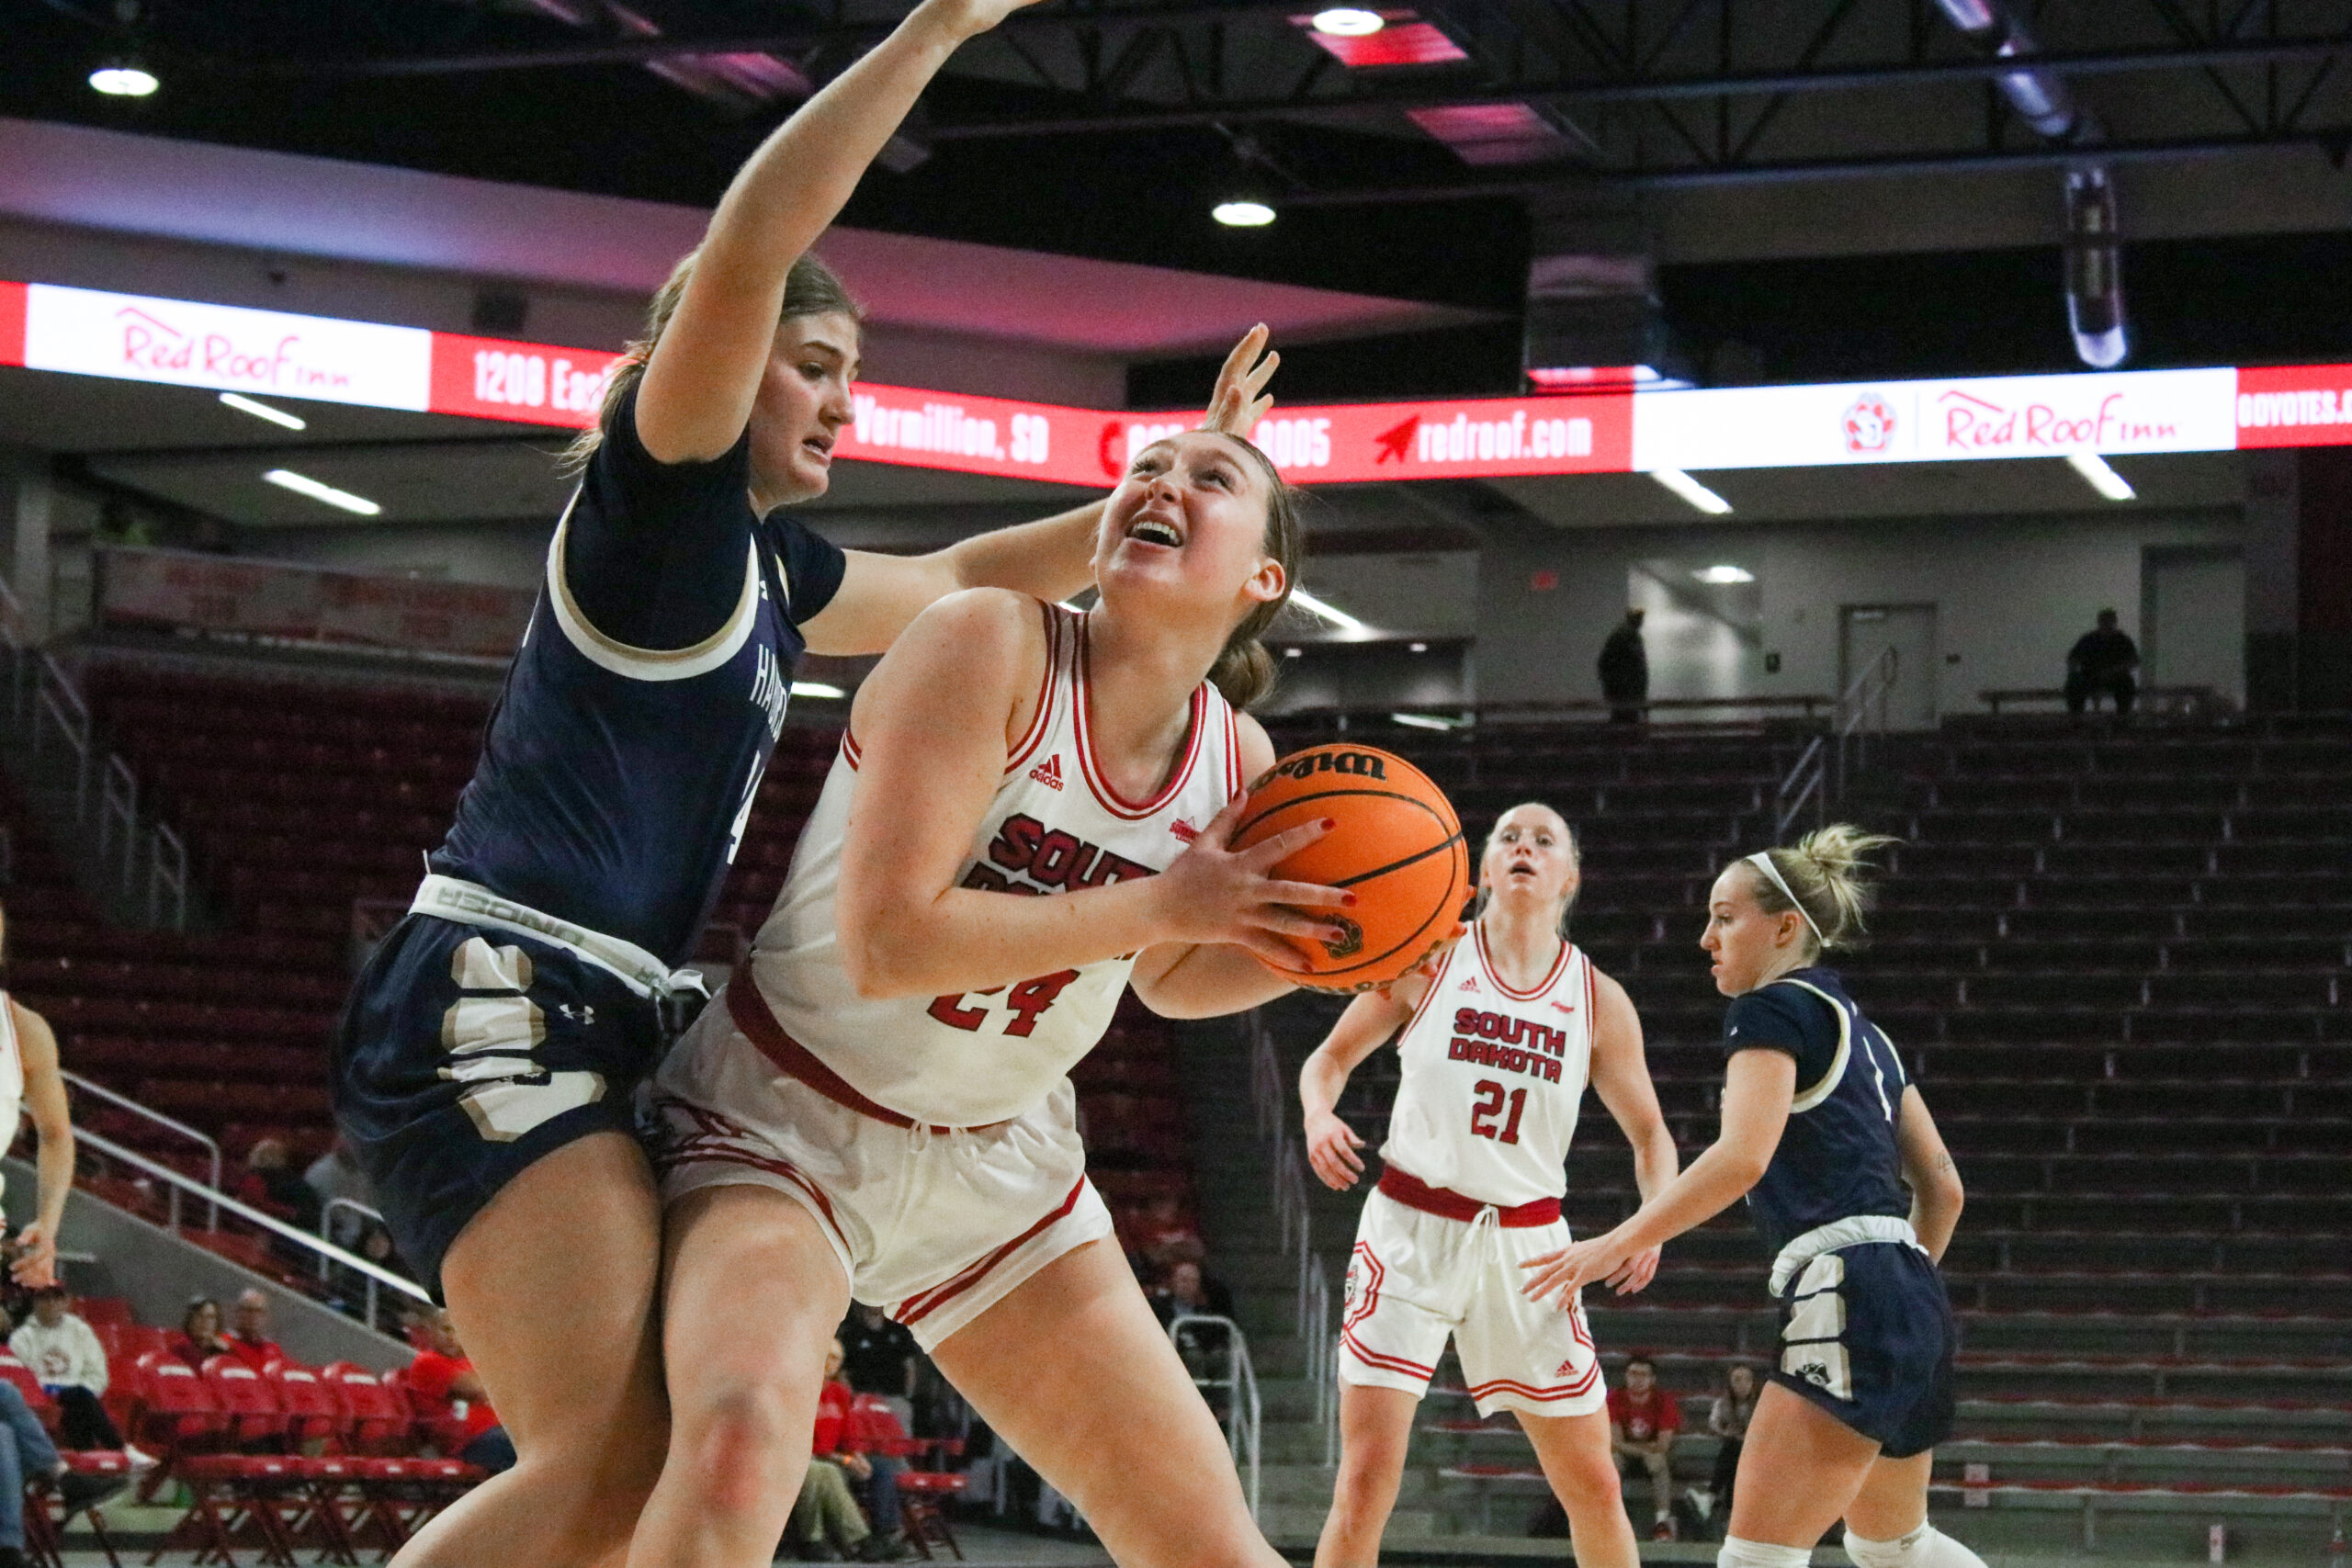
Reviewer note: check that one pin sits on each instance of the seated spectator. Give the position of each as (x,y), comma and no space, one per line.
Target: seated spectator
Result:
(272,1185)
(836,1444)
(1643,1421)
(1187,1291)
(445,1385)
(199,1339)
(1164,1238)
(64,1354)
(249,1338)
(1735,1408)
(26,1454)
(825,1526)
(2101,662)
(336,1175)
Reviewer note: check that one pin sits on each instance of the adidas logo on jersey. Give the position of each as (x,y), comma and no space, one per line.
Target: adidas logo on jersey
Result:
(1469,983)
(1185,832)
(1049,772)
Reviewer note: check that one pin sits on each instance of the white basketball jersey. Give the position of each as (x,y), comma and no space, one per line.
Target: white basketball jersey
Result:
(12,1079)
(1055,826)
(1493,1079)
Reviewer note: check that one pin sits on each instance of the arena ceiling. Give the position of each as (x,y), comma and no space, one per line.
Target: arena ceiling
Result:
(1716,140)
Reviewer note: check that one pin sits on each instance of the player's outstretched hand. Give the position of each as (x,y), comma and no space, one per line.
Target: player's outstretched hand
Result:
(1331,1147)
(1570,1269)
(969,18)
(1636,1273)
(1213,893)
(1237,403)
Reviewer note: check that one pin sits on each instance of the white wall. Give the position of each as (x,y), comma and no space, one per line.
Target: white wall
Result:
(2011,595)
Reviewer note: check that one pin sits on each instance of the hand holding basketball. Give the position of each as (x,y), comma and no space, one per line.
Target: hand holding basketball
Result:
(1214,892)
(1396,843)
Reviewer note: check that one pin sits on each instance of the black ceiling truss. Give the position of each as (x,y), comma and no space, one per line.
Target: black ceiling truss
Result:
(1645,93)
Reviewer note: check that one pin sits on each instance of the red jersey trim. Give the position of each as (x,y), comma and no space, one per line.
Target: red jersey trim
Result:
(1583,1385)
(914,1309)
(1384,1364)
(1109,798)
(1042,720)
(749,1011)
(849,751)
(720,1141)
(1401,1186)
(1567,951)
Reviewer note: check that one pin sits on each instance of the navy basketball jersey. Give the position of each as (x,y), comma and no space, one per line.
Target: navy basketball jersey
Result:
(1837,1157)
(615,781)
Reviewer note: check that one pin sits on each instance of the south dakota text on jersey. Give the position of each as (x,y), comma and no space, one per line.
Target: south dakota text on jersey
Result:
(1512,1044)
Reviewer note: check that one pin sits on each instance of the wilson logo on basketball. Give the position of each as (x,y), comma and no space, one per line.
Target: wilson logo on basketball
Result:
(1049,772)
(1361,764)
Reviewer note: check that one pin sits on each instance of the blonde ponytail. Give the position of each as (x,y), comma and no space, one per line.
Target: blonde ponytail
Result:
(1825,871)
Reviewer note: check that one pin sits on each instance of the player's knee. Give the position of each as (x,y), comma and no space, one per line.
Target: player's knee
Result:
(1365,1494)
(737,1440)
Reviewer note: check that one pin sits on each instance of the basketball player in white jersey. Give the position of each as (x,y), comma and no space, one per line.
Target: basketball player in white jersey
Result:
(1500,1035)
(879,1106)
(30,1080)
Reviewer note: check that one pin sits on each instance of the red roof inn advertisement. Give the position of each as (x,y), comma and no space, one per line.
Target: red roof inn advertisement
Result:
(271,354)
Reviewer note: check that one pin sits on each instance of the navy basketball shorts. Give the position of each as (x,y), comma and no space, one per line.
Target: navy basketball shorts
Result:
(465,1054)
(1866,1334)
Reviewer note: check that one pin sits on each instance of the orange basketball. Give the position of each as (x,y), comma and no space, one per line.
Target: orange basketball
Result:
(1398,848)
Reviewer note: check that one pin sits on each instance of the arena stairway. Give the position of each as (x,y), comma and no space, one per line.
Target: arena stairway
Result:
(2117,962)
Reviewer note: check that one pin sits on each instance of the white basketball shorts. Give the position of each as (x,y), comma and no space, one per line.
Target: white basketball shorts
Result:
(933,1225)
(1419,1277)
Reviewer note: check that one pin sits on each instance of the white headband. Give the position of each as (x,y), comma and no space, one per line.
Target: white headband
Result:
(1762,861)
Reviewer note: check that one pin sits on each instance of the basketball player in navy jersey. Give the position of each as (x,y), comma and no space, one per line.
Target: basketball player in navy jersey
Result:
(1823,1135)
(488,1060)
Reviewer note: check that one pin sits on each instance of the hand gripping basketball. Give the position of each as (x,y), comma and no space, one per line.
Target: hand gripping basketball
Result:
(1213,893)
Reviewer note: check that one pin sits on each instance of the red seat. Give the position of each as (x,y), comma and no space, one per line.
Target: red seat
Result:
(15,1372)
(924,1493)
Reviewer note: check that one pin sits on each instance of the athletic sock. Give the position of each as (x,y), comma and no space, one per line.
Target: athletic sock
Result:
(1925,1547)
(1738,1553)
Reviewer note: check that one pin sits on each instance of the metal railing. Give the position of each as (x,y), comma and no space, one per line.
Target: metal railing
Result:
(1825,765)
(44,701)
(1245,1411)
(327,1252)
(179,1129)
(367,1217)
(1317,1335)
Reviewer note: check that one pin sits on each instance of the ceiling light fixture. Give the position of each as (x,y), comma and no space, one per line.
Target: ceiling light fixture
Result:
(1338,617)
(1423,721)
(1294,653)
(1691,491)
(1724,574)
(1243,212)
(817,689)
(302,484)
(2102,478)
(124,77)
(1348,21)
(1420,648)
(262,410)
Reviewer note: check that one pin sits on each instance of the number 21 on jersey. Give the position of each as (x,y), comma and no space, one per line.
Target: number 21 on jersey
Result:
(1484,1114)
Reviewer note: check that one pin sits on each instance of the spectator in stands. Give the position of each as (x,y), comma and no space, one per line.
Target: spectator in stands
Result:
(444,1385)
(879,1355)
(249,1338)
(1187,1289)
(199,1339)
(1165,1236)
(64,1352)
(25,1455)
(333,1177)
(2101,662)
(273,1185)
(836,1444)
(1735,1408)
(1643,1421)
(40,1089)
(1626,671)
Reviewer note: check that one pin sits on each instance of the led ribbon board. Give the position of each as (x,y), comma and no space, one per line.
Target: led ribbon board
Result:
(275,353)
